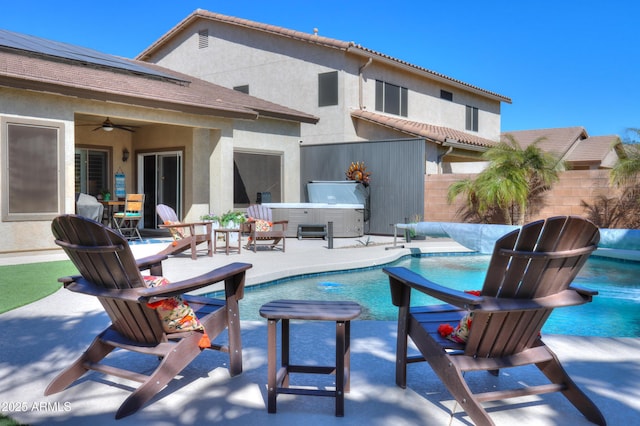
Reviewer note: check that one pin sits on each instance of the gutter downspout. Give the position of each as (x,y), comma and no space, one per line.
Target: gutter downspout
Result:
(441,156)
(360,81)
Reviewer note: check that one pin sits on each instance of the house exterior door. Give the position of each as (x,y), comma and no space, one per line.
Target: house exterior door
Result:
(160,178)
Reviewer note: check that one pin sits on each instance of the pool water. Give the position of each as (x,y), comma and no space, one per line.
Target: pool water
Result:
(615,312)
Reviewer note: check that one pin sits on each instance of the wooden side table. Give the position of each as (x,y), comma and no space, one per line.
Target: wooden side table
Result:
(227,236)
(340,312)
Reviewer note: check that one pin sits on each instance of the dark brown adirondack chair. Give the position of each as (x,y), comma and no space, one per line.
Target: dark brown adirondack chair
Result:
(109,271)
(259,215)
(185,235)
(530,274)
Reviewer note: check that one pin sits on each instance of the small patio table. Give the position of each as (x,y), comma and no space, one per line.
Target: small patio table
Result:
(227,237)
(340,312)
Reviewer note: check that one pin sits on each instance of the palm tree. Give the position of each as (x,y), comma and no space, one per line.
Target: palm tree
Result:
(627,168)
(513,178)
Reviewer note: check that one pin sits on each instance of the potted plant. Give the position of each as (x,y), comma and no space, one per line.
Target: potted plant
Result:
(210,217)
(232,219)
(106,195)
(213,218)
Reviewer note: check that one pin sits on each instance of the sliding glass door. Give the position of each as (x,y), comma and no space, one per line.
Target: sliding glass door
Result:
(160,178)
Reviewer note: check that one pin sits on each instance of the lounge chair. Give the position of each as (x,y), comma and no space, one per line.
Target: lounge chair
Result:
(127,221)
(141,309)
(262,229)
(185,235)
(530,274)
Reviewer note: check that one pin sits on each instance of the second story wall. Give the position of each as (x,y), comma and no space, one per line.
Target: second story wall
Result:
(285,70)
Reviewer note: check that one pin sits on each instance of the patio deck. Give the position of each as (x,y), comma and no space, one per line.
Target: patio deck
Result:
(38,340)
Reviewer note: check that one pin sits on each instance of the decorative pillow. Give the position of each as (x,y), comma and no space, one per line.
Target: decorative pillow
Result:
(176,314)
(263,225)
(176,233)
(460,333)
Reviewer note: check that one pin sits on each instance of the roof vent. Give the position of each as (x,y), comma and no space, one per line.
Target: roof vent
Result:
(315,31)
(203,39)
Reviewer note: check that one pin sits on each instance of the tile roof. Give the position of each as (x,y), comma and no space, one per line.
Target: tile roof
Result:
(557,141)
(572,144)
(351,47)
(593,149)
(29,70)
(434,133)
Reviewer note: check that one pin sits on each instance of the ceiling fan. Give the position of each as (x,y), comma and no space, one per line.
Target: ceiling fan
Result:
(108,126)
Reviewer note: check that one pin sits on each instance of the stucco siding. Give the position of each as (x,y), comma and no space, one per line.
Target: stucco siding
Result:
(285,71)
(208,144)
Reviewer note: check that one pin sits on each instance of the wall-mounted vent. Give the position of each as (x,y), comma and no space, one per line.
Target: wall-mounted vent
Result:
(243,89)
(448,96)
(203,39)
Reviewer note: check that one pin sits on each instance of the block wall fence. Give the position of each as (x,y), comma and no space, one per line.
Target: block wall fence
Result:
(565,197)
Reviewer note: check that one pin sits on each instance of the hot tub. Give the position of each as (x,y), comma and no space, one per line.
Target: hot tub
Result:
(342,202)
(348,219)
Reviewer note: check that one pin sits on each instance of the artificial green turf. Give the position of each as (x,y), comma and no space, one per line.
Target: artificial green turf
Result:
(23,284)
(6,421)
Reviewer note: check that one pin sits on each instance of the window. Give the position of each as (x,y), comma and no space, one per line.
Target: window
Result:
(203,39)
(472,119)
(446,95)
(391,99)
(27,195)
(328,88)
(243,89)
(91,171)
(256,173)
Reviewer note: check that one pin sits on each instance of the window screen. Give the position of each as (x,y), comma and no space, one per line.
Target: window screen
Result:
(256,173)
(471,122)
(328,88)
(29,195)
(392,99)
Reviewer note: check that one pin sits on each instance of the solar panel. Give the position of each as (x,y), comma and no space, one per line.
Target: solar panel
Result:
(75,53)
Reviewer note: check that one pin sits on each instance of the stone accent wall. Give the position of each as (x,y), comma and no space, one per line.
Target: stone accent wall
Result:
(563,199)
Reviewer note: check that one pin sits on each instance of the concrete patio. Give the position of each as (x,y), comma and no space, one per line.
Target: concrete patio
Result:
(42,338)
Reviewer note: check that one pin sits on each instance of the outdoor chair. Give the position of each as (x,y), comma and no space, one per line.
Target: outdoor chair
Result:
(262,229)
(530,273)
(185,235)
(127,221)
(148,314)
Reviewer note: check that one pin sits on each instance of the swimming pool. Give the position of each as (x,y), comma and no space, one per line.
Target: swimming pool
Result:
(615,312)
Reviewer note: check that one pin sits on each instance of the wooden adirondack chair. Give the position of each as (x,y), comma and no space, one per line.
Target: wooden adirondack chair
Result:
(109,271)
(530,274)
(185,235)
(261,227)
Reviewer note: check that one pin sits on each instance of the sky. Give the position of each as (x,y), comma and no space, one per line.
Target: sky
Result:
(563,63)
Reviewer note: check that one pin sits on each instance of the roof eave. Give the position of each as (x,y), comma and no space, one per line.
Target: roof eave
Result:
(349,47)
(358,50)
(105,96)
(289,117)
(464,146)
